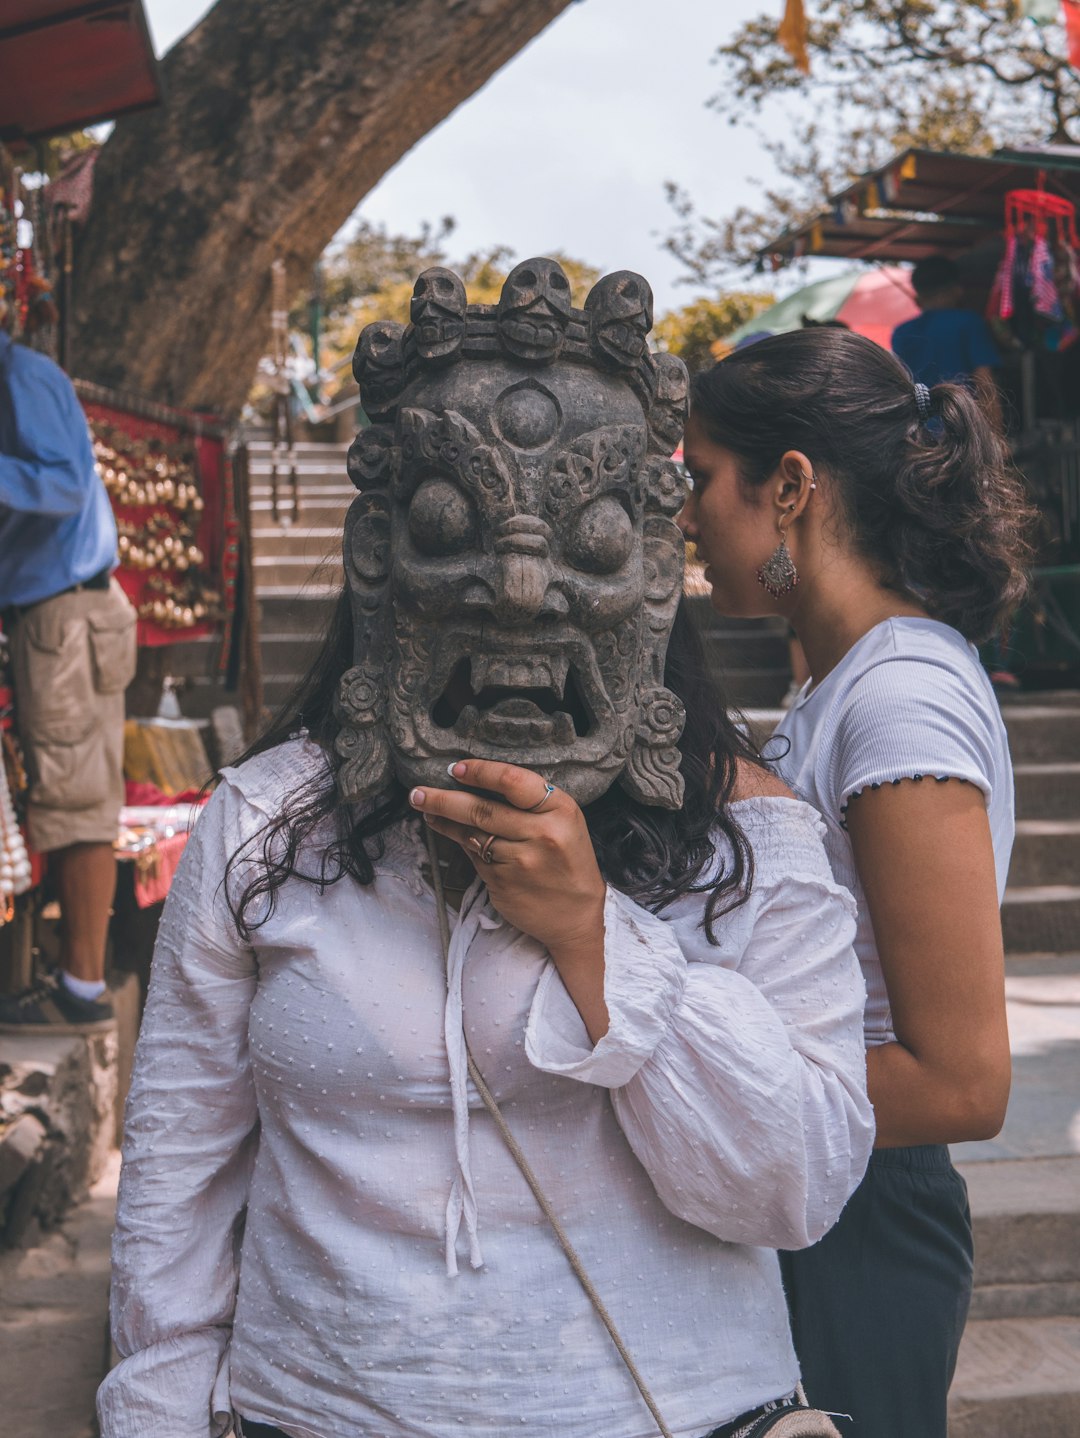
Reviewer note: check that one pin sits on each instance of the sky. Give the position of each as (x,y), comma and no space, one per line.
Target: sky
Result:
(569,145)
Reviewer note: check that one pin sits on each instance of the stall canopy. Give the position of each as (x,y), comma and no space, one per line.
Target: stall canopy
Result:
(926,202)
(65,64)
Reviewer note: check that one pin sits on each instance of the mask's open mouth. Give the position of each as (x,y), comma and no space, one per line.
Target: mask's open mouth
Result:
(514,701)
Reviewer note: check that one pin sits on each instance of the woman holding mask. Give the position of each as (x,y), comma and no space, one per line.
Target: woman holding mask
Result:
(320,1230)
(882,521)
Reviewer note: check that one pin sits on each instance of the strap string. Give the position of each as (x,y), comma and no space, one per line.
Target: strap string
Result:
(522,1162)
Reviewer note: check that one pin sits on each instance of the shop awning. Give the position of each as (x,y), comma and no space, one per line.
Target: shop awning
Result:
(925,202)
(65,64)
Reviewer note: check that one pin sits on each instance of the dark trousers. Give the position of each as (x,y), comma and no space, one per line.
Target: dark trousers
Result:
(878,1306)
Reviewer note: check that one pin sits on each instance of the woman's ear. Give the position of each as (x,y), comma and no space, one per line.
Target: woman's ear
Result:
(792,483)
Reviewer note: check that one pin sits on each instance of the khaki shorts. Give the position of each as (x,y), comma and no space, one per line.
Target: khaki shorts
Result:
(73,657)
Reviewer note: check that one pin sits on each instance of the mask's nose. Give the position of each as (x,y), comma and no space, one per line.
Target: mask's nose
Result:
(525,590)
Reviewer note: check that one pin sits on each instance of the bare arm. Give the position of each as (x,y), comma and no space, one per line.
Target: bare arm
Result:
(926,862)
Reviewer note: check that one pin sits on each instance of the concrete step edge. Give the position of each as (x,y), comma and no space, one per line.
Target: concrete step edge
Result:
(1054,1299)
(1043,894)
(1033,1360)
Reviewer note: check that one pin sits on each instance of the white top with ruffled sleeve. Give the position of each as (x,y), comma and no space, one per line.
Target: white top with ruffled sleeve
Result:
(909,700)
(301,1148)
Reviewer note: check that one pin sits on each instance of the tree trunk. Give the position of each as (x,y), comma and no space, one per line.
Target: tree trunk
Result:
(279,116)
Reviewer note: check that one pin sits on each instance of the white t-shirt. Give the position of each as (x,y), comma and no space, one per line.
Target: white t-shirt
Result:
(315,1080)
(909,700)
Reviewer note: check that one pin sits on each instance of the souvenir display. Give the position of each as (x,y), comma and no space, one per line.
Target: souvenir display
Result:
(1035,298)
(166,473)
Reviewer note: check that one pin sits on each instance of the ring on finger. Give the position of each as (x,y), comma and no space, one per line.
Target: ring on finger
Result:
(481,846)
(538,807)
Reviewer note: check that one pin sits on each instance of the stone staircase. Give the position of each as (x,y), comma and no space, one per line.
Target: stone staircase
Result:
(1019,1369)
(297,557)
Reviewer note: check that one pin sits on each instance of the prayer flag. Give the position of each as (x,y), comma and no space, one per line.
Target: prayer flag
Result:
(793,32)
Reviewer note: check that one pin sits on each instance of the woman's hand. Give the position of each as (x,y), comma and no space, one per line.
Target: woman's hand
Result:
(535,855)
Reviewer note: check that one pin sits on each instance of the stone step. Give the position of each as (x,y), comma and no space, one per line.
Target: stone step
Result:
(1047,791)
(1047,851)
(329,491)
(1026,1218)
(314,543)
(295,573)
(1043,733)
(305,614)
(1017,1378)
(1041,918)
(1025,1300)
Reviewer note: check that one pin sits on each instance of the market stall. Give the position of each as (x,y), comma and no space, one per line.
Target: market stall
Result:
(1008,221)
(177,491)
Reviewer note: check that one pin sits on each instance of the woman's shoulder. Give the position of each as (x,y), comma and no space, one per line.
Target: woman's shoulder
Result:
(785,834)
(267,780)
(904,675)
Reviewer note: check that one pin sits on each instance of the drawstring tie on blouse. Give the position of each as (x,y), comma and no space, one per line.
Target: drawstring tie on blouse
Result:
(462,1201)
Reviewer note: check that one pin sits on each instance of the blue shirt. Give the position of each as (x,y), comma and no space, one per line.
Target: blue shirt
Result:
(56,523)
(945,345)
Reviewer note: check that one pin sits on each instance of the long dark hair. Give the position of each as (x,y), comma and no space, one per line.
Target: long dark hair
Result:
(654,855)
(932,502)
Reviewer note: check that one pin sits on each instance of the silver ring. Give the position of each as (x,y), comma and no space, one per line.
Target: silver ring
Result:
(538,807)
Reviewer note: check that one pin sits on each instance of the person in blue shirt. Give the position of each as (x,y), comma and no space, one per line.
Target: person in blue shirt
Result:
(72,637)
(947,343)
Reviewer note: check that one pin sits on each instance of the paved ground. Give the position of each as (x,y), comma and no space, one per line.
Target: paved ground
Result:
(54,1312)
(53,1322)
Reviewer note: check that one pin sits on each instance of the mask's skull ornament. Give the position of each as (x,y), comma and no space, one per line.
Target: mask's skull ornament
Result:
(670,406)
(378,366)
(620,312)
(514,568)
(437,312)
(534,310)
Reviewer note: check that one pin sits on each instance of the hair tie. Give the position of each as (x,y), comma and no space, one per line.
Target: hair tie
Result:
(922,401)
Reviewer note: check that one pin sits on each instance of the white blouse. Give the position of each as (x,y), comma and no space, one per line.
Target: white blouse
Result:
(294,1176)
(909,700)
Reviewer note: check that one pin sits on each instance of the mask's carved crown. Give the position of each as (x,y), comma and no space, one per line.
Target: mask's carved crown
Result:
(534,323)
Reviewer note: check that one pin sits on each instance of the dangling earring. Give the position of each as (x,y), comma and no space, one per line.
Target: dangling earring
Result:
(778,574)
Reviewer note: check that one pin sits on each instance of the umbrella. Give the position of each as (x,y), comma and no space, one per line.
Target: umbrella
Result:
(872,302)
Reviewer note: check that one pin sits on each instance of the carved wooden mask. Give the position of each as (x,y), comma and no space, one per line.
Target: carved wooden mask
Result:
(512,557)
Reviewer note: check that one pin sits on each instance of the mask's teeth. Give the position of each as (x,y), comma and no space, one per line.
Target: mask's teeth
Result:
(480,676)
(560,663)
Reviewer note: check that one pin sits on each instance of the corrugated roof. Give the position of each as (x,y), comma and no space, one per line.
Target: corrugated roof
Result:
(925,202)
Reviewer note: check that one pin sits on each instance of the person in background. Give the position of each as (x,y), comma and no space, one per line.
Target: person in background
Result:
(72,634)
(948,343)
(882,520)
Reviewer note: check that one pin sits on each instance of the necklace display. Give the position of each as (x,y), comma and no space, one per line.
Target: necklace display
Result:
(161,478)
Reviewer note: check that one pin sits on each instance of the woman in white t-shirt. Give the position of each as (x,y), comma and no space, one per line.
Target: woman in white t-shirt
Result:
(882,520)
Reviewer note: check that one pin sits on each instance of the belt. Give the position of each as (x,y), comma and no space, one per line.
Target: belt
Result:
(266,1430)
(96,581)
(744,1420)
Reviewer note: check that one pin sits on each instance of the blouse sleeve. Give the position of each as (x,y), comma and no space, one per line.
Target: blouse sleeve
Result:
(741,1090)
(910,719)
(189,1144)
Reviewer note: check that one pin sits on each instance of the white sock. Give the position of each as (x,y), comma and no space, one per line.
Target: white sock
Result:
(86,989)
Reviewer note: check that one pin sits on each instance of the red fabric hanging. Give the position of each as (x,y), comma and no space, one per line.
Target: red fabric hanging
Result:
(1070,14)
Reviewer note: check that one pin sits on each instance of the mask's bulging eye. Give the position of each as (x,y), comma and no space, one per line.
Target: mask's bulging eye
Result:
(441,519)
(600,538)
